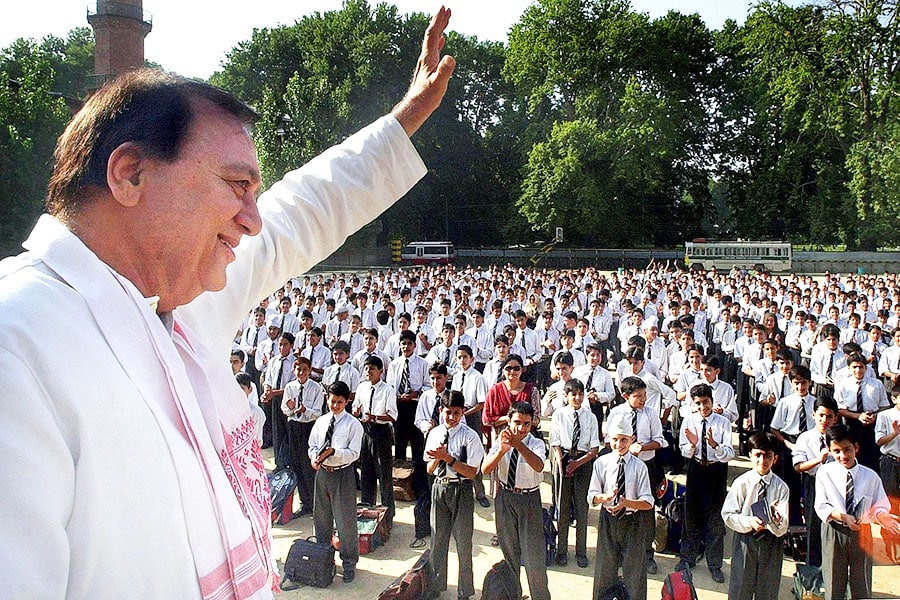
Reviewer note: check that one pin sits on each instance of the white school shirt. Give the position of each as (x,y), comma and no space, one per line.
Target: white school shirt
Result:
(874,396)
(778,384)
(425,410)
(382,402)
(809,445)
(484,343)
(419,379)
(736,511)
(359,361)
(819,360)
(889,361)
(605,473)
(472,385)
(526,477)
(346,439)
(345,372)
(562,428)
(441,353)
(649,427)
(310,395)
(600,382)
(461,436)
(319,356)
(721,431)
(548,406)
(419,328)
(831,488)
(884,426)
(787,414)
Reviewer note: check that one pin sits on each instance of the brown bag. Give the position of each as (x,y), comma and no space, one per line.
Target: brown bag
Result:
(414,583)
(403,480)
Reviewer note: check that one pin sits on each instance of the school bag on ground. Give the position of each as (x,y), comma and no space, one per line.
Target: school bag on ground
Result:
(549,537)
(281,489)
(309,563)
(679,586)
(500,583)
(413,584)
(808,583)
(616,591)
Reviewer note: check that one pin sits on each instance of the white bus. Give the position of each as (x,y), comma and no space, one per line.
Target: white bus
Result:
(755,255)
(428,253)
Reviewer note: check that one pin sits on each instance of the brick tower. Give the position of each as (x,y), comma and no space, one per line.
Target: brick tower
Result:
(119,30)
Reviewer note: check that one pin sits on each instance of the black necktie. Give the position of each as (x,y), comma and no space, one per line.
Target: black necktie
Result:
(371,401)
(255,336)
(822,444)
(511,471)
(404,378)
(761,491)
(634,415)
(649,351)
(620,486)
(462,381)
(850,500)
(576,433)
(499,372)
(859,397)
(447,356)
(329,433)
(436,411)
(803,423)
(590,379)
(280,374)
(441,470)
(704,451)
(830,366)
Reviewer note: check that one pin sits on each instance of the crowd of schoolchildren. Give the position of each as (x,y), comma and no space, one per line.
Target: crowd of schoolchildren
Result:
(460,365)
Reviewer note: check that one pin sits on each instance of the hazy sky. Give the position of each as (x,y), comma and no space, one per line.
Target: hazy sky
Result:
(191,37)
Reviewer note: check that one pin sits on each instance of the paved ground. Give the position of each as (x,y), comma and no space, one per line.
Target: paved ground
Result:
(377,569)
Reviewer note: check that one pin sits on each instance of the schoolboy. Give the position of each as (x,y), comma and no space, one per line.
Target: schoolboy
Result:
(302,403)
(810,451)
(757,553)
(518,457)
(826,360)
(887,436)
(341,369)
(859,398)
(723,394)
(474,389)
(598,385)
(455,454)
(620,483)
(376,408)
(575,440)
(278,373)
(705,443)
(849,497)
(647,431)
(334,445)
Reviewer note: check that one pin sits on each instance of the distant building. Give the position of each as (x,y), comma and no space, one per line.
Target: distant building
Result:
(119,31)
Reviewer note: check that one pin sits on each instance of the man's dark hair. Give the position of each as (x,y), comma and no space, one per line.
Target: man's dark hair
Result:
(147,107)
(765,442)
(340,389)
(632,384)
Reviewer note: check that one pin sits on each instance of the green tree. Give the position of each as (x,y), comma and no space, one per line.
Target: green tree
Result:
(334,72)
(620,107)
(37,83)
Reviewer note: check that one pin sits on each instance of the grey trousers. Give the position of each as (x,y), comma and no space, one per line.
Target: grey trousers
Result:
(845,560)
(335,503)
(452,511)
(520,529)
(755,567)
(620,543)
(575,487)
(474,422)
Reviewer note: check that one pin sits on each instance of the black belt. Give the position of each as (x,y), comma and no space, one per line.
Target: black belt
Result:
(450,480)
(520,490)
(331,469)
(892,457)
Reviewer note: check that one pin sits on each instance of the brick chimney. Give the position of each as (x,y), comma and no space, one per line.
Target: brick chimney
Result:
(120,27)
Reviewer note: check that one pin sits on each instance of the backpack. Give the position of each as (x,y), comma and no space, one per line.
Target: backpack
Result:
(616,591)
(549,537)
(679,586)
(281,487)
(500,583)
(675,516)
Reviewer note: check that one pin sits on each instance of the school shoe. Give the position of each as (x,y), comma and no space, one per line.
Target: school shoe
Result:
(562,559)
(652,568)
(683,565)
(582,561)
(717,575)
(483,501)
(349,574)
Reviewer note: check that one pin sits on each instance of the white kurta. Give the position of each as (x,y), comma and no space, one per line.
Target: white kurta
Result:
(102,402)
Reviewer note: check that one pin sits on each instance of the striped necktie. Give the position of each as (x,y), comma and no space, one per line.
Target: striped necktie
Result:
(511,471)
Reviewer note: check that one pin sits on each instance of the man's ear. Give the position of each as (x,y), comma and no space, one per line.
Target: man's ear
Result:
(125,174)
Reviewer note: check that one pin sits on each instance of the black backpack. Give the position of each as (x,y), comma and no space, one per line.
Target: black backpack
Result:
(549,537)
(500,583)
